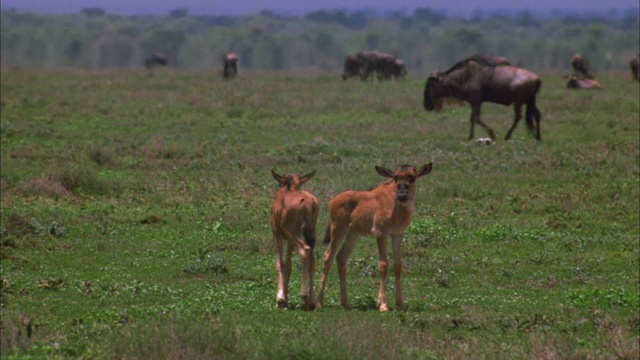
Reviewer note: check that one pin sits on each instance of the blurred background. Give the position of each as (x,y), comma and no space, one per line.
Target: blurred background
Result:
(295,38)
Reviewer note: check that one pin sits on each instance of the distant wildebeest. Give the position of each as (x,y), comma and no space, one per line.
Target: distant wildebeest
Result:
(580,65)
(230,62)
(577,83)
(385,210)
(384,65)
(294,211)
(634,64)
(477,80)
(351,67)
(156,60)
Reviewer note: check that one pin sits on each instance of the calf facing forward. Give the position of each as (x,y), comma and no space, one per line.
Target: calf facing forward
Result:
(294,211)
(385,210)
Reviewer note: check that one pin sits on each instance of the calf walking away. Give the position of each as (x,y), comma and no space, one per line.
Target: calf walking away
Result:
(294,211)
(385,210)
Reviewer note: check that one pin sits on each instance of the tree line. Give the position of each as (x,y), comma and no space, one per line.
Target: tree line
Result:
(424,39)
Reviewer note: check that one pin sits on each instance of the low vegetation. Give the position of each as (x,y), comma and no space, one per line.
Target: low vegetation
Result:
(135,218)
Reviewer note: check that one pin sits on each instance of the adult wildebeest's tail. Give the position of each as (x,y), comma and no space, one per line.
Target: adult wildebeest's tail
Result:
(327,234)
(533,112)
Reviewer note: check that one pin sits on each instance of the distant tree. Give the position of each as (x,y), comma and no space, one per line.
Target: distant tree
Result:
(427,15)
(93,11)
(179,12)
(525,18)
(372,40)
(163,40)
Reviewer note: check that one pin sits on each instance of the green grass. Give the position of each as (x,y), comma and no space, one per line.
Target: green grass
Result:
(159,244)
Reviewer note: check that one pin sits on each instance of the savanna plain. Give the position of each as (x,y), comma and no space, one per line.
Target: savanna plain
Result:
(135,218)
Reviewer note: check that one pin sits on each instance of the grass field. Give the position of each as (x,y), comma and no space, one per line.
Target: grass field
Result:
(135,219)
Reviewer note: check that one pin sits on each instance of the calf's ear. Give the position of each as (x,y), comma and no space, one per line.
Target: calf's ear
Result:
(306,178)
(279,178)
(384,172)
(425,169)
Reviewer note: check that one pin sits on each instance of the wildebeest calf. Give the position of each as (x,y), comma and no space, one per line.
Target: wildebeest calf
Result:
(294,211)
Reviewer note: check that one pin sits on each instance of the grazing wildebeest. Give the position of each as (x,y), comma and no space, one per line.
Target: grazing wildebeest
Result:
(576,83)
(580,65)
(351,67)
(294,211)
(155,60)
(230,62)
(385,66)
(477,80)
(385,210)
(634,64)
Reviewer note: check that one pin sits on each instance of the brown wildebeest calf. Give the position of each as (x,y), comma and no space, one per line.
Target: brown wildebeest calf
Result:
(294,211)
(634,65)
(230,62)
(385,210)
(576,83)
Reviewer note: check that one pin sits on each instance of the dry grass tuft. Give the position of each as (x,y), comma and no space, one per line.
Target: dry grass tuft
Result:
(46,186)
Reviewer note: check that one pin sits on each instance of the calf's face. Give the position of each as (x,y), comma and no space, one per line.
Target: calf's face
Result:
(404,178)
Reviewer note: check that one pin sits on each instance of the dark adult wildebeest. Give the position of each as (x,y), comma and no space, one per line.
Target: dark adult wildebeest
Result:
(384,65)
(580,65)
(230,62)
(477,80)
(634,64)
(577,83)
(351,67)
(155,60)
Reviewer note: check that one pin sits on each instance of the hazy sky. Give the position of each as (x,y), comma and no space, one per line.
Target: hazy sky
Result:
(297,7)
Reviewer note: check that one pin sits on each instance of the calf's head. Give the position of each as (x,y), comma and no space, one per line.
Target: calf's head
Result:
(404,178)
(292,181)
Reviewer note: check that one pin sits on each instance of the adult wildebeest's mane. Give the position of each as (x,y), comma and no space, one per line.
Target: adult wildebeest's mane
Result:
(483,60)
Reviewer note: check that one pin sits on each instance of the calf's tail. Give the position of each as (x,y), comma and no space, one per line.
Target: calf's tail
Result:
(327,234)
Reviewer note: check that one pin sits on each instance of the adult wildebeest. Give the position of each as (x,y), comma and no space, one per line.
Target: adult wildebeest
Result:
(156,60)
(576,83)
(294,211)
(580,65)
(385,210)
(351,67)
(230,62)
(477,80)
(634,65)
(384,65)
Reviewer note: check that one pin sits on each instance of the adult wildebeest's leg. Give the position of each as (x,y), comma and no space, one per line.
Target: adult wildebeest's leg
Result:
(396,245)
(532,111)
(475,118)
(343,257)
(517,108)
(383,267)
